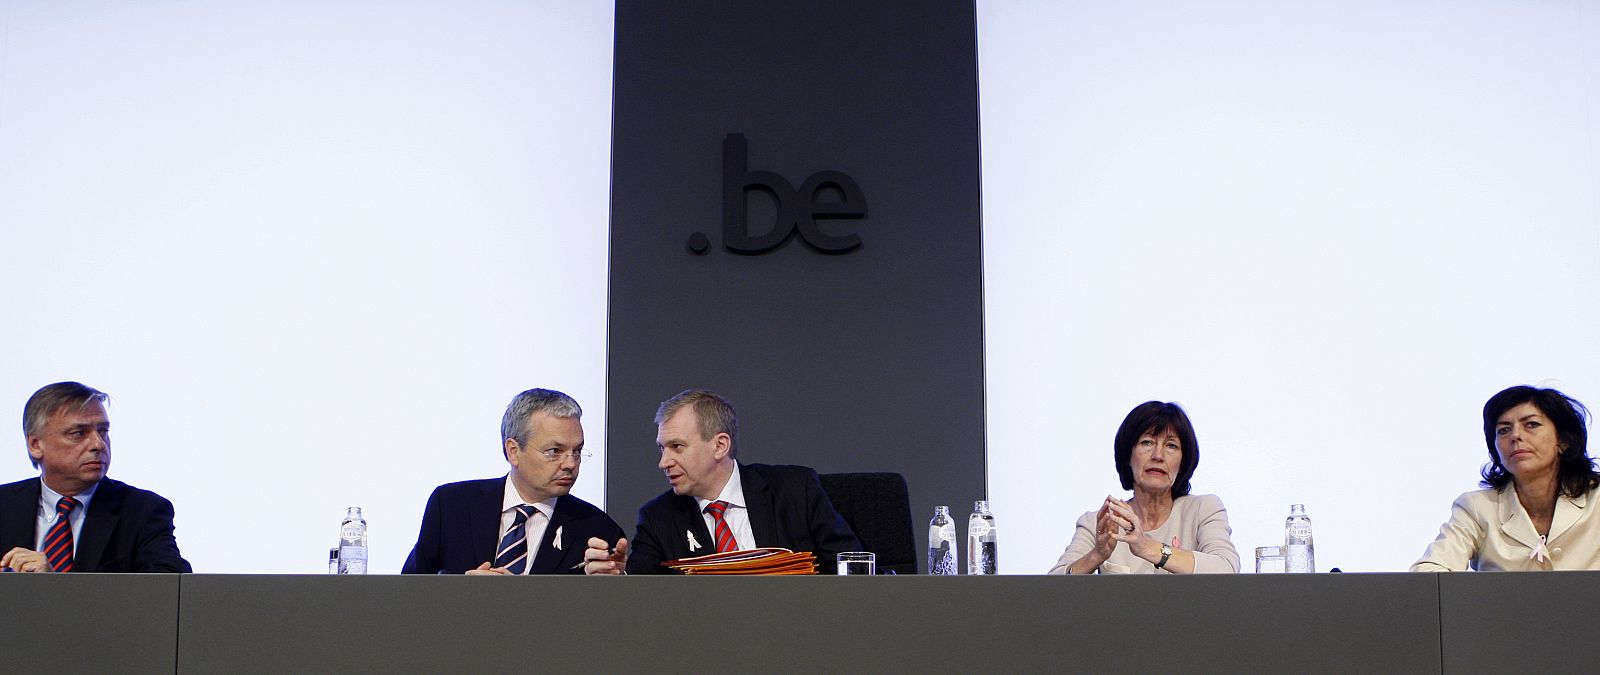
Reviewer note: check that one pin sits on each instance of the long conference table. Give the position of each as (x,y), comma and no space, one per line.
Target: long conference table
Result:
(225,623)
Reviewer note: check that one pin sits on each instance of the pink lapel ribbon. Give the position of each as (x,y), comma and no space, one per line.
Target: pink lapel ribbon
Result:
(1175,543)
(1540,552)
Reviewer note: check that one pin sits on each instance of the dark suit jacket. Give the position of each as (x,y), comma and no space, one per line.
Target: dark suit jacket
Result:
(461,529)
(126,529)
(787,508)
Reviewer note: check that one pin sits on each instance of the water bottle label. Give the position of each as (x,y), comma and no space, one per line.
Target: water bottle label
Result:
(978,528)
(1300,530)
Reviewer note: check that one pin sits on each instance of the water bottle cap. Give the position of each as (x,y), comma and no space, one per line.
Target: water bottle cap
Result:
(980,506)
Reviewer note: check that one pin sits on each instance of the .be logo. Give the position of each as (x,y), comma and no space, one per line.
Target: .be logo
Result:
(797,210)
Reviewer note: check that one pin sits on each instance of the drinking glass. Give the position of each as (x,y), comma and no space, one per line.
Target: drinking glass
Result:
(852,563)
(1269,559)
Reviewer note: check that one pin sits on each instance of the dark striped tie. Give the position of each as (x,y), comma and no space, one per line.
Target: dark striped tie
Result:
(725,540)
(513,554)
(58,541)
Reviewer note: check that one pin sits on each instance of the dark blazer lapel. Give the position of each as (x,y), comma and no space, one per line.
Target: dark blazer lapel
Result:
(690,525)
(19,514)
(104,511)
(758,501)
(548,559)
(485,528)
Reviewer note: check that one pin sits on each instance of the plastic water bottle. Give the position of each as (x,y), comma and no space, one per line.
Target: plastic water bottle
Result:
(942,542)
(982,555)
(1298,552)
(353,543)
(333,560)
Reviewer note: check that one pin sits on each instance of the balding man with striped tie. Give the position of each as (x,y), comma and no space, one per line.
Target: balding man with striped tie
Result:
(525,522)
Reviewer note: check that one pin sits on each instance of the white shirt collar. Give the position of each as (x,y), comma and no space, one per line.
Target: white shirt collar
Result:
(732,492)
(49,497)
(512,499)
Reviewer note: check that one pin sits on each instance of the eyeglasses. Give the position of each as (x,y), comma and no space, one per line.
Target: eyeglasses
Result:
(561,455)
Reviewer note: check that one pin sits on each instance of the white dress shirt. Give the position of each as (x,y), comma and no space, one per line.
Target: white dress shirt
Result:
(47,515)
(737,515)
(534,527)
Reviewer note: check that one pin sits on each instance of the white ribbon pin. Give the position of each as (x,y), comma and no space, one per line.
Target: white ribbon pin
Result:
(557,541)
(1540,552)
(693,545)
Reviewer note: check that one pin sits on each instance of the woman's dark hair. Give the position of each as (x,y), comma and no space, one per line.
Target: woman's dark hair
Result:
(1575,472)
(1156,417)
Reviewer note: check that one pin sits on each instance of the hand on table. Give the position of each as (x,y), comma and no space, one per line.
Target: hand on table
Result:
(487,569)
(25,560)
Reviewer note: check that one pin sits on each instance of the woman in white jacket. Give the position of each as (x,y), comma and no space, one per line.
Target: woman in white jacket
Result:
(1538,510)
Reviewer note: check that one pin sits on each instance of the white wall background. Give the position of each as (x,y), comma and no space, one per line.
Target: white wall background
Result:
(1331,230)
(311,249)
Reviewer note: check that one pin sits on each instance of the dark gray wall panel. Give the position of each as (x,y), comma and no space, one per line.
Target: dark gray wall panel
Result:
(89,623)
(1518,622)
(1413,623)
(1233,623)
(370,624)
(870,360)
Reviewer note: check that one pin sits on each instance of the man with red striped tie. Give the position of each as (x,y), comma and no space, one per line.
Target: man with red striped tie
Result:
(72,518)
(717,504)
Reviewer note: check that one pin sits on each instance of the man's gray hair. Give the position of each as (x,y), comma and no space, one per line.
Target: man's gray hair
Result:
(51,399)
(514,424)
(715,413)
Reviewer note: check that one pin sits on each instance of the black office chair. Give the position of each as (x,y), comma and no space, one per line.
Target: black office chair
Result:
(878,507)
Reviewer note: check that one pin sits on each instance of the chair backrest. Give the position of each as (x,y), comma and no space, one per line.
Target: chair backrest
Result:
(878,507)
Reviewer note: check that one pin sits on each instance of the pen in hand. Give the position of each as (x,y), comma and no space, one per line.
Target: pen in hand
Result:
(609,553)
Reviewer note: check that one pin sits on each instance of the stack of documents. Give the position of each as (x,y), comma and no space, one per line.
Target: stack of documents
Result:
(749,561)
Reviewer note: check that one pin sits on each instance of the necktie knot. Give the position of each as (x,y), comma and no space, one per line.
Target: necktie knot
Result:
(66,505)
(524,512)
(717,509)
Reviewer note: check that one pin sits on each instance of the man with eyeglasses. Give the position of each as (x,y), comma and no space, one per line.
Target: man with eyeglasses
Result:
(525,522)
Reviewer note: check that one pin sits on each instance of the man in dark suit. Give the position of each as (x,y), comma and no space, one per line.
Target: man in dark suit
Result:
(717,504)
(72,518)
(524,522)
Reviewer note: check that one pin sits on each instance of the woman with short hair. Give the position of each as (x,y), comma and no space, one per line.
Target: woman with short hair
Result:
(1162,528)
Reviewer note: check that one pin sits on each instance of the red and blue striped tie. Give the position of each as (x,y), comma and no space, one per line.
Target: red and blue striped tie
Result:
(725,540)
(58,541)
